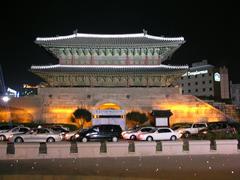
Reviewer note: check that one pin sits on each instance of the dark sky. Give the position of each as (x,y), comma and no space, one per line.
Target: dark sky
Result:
(209,28)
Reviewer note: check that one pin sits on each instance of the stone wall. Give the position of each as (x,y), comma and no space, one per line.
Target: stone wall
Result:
(56,105)
(24,109)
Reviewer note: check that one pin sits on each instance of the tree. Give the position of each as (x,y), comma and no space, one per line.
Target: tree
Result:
(82,115)
(136,116)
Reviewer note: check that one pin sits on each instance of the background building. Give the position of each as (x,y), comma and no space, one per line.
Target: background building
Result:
(235,94)
(206,81)
(30,89)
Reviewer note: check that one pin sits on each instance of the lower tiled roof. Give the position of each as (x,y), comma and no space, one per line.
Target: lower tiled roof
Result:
(109,69)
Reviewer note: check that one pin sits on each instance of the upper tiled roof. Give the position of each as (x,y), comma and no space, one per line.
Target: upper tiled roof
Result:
(97,40)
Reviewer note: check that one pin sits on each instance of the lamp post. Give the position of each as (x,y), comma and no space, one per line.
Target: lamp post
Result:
(5,100)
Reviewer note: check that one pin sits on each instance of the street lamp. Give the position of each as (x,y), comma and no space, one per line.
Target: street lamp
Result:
(5,99)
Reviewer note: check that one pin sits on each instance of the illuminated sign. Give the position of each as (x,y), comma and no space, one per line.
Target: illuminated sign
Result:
(217,77)
(195,73)
(108,112)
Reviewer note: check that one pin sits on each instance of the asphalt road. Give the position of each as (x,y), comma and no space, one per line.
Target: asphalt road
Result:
(219,167)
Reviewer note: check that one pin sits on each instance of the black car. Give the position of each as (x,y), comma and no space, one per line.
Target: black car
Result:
(220,130)
(99,132)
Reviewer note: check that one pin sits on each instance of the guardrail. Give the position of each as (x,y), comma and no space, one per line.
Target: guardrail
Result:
(119,149)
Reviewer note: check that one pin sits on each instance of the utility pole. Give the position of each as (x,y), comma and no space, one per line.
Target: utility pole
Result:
(2,83)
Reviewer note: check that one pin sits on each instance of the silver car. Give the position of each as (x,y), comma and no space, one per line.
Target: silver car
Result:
(14,131)
(37,135)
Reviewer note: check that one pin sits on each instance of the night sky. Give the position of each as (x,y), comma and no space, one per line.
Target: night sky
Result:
(209,28)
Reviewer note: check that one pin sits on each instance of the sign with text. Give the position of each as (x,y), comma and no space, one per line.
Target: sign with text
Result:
(109,112)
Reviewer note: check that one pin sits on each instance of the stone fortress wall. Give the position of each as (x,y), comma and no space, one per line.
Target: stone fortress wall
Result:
(56,105)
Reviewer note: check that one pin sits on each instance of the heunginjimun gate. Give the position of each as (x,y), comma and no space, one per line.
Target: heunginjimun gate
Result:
(93,70)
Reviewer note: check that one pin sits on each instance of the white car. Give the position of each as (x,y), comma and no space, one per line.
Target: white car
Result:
(132,134)
(16,130)
(159,134)
(37,135)
(192,129)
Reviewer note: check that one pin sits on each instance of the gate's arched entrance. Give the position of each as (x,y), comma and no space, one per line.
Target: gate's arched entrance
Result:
(109,105)
(109,113)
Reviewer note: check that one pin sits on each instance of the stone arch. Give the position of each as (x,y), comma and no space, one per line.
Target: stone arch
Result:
(100,103)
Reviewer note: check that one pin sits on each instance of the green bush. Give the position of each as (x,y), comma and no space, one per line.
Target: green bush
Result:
(137,116)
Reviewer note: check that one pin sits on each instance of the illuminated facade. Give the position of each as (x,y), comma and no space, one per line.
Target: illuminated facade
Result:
(111,75)
(92,60)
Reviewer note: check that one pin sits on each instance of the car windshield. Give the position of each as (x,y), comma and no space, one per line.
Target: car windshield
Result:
(176,127)
(135,129)
(152,131)
(181,126)
(82,130)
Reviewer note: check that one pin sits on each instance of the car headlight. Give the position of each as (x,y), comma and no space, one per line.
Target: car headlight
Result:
(11,136)
(180,131)
(76,135)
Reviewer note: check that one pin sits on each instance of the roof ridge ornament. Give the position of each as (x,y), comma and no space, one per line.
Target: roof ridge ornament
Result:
(144,32)
(75,32)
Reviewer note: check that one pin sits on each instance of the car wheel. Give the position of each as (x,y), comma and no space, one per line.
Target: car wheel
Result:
(2,138)
(71,138)
(50,140)
(18,140)
(84,139)
(132,137)
(186,134)
(114,139)
(173,138)
(149,138)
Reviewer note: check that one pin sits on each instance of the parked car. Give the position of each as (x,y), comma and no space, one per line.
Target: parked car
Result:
(60,129)
(190,130)
(16,130)
(5,128)
(69,136)
(180,125)
(220,129)
(159,134)
(135,132)
(36,135)
(99,132)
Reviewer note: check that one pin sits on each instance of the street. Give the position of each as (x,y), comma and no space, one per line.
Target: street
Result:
(219,167)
